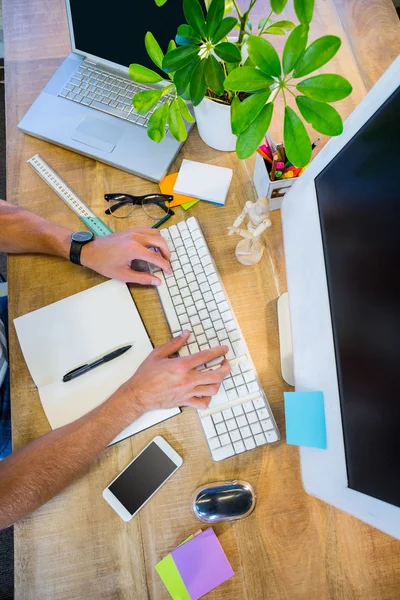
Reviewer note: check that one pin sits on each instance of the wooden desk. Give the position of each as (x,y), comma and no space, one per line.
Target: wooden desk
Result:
(293,546)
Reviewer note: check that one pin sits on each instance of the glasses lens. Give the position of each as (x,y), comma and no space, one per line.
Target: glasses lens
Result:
(155,207)
(121,207)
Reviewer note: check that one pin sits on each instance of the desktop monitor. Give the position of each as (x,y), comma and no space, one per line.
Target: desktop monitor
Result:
(341,226)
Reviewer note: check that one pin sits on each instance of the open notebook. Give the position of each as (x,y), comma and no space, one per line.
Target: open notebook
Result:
(64,335)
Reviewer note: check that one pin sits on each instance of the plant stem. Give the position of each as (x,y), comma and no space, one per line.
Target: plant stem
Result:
(266,23)
(237,9)
(290,91)
(284,97)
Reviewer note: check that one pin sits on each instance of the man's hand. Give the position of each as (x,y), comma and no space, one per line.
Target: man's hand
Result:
(111,255)
(163,382)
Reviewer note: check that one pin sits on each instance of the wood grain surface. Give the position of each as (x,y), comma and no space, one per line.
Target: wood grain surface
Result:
(293,547)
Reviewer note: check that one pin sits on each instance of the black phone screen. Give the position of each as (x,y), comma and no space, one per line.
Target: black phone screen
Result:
(142,478)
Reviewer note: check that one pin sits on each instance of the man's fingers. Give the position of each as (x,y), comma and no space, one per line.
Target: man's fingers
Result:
(145,229)
(155,242)
(207,390)
(153,258)
(198,403)
(210,376)
(201,358)
(173,345)
(131,276)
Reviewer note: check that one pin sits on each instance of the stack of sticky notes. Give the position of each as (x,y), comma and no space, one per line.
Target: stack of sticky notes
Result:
(195,567)
(197,181)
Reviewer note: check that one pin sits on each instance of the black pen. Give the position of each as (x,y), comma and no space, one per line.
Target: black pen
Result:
(100,361)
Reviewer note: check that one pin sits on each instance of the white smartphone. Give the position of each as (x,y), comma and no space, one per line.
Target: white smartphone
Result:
(141,479)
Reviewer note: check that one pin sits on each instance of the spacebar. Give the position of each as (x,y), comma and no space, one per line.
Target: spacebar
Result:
(111,110)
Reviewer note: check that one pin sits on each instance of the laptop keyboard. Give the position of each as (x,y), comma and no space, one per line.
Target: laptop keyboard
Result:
(106,92)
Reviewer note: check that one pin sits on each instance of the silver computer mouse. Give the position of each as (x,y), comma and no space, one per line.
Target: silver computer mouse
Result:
(223,501)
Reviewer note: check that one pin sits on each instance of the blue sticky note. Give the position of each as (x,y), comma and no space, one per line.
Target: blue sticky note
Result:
(305,419)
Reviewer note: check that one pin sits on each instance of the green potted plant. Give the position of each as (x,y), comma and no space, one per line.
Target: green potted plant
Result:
(233,84)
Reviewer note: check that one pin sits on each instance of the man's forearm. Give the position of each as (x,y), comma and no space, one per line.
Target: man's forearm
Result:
(23,231)
(42,468)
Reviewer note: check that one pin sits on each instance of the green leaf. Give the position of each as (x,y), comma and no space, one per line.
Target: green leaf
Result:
(143,74)
(275,30)
(326,88)
(160,2)
(145,101)
(304,10)
(153,49)
(297,142)
(248,110)
(171,45)
(248,62)
(157,123)
(323,117)
(278,5)
(223,29)
(198,85)
(195,16)
(294,47)
(249,140)
(228,52)
(186,36)
(234,106)
(214,16)
(228,6)
(175,122)
(183,76)
(185,112)
(317,54)
(284,24)
(215,75)
(247,79)
(179,58)
(264,55)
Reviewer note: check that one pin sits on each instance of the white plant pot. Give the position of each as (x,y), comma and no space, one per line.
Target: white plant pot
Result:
(214,125)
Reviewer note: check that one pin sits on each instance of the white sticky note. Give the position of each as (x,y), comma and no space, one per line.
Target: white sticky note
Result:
(207,182)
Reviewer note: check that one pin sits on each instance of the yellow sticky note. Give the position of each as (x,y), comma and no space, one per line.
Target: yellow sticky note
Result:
(167,187)
(171,578)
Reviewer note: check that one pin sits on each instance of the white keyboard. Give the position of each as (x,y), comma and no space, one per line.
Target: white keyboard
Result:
(239,417)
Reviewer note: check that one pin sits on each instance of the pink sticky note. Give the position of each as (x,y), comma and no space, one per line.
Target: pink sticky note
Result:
(202,564)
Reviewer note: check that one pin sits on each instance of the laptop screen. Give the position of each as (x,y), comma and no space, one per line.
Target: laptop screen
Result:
(359,206)
(114,30)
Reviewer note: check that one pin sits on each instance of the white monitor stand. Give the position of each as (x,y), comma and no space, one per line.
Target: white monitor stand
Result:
(285,339)
(324,472)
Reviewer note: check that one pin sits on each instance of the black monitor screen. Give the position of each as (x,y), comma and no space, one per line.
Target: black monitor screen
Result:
(115,30)
(359,205)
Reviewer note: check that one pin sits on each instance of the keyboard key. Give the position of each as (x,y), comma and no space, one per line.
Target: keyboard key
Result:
(238,380)
(255,428)
(235,435)
(198,329)
(228,383)
(207,325)
(108,109)
(259,403)
(253,386)
(209,269)
(210,333)
(248,407)
(218,325)
(201,339)
(217,418)
(271,436)
(224,439)
(195,320)
(249,376)
(193,348)
(249,443)
(207,296)
(183,319)
(185,292)
(238,410)
(234,335)
(239,447)
(252,417)
(227,316)
(191,310)
(242,390)
(245,431)
(228,414)
(260,439)
(180,309)
(230,325)
(221,428)
(188,301)
(266,424)
(223,452)
(263,414)
(231,424)
(241,421)
(208,427)
(201,305)
(232,394)
(181,283)
(239,348)
(214,443)
(214,343)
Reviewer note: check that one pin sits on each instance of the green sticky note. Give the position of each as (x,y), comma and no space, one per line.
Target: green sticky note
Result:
(171,578)
(189,204)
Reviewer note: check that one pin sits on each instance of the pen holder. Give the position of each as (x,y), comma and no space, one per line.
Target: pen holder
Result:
(273,190)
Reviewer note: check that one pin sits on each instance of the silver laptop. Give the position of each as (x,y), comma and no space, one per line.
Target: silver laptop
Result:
(87,104)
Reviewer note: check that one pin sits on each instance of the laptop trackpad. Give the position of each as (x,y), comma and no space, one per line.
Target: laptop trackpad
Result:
(98,134)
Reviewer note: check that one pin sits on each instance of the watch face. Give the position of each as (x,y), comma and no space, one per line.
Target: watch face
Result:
(82,236)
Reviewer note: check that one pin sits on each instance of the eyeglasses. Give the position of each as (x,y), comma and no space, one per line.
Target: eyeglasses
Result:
(155,206)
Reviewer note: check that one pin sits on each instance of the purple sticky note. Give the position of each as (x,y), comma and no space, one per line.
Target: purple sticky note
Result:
(202,564)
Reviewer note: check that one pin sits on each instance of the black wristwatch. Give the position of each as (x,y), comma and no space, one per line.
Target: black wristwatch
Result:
(78,240)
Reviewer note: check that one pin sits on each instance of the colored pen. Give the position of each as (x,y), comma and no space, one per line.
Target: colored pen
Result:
(273,170)
(264,155)
(161,221)
(96,363)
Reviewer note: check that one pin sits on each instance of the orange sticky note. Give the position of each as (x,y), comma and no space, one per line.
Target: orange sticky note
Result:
(167,187)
